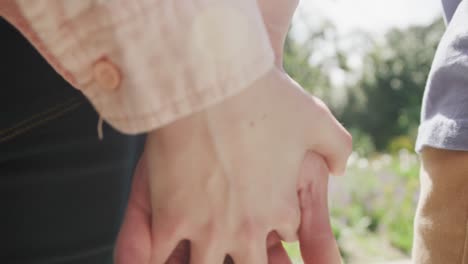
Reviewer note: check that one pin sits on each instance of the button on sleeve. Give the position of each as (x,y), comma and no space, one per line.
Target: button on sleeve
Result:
(107,75)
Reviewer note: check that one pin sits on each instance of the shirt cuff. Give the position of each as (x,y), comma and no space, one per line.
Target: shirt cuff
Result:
(146,63)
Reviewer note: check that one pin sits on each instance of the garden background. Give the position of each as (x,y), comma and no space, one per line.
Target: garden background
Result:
(373,80)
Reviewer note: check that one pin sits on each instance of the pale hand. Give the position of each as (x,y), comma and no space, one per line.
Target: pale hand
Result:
(226,177)
(232,175)
(135,243)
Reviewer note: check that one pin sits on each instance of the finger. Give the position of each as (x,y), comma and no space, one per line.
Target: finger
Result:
(254,252)
(134,240)
(277,255)
(317,242)
(206,252)
(333,142)
(276,252)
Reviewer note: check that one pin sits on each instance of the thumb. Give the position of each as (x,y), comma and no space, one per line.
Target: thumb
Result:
(317,242)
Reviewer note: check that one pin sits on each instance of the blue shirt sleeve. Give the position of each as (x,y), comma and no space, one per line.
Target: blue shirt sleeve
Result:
(444,115)
(449,7)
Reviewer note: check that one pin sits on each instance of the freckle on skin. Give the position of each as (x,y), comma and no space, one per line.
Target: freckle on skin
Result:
(264,116)
(252,123)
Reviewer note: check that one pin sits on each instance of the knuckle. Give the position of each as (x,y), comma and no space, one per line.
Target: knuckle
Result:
(210,230)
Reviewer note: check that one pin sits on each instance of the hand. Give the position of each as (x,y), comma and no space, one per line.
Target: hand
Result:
(134,241)
(226,177)
(310,222)
(317,243)
(318,246)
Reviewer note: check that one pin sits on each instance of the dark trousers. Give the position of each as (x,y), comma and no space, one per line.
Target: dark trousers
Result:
(62,191)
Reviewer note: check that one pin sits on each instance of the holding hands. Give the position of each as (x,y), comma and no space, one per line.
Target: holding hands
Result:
(238,177)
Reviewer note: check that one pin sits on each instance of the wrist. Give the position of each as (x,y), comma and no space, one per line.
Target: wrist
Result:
(235,115)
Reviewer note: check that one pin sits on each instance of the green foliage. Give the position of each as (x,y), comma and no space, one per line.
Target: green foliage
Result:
(297,63)
(363,143)
(399,143)
(311,68)
(377,198)
(385,102)
(293,250)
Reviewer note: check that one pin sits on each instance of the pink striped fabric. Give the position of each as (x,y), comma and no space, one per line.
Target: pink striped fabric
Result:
(175,57)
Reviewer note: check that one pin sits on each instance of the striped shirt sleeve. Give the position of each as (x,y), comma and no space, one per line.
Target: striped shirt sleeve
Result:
(146,63)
